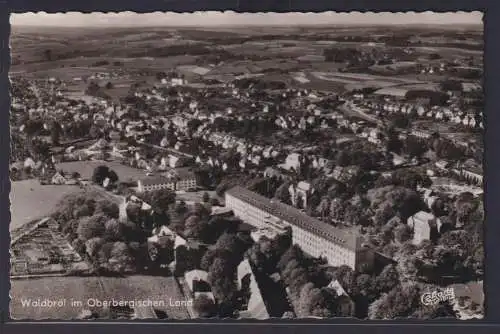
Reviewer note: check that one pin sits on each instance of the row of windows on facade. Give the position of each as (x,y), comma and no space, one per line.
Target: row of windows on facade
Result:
(171,186)
(262,213)
(310,243)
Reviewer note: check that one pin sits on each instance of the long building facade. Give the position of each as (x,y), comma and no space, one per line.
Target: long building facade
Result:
(318,239)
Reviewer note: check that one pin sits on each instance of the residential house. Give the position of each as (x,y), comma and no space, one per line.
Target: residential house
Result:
(420,134)
(58,179)
(345,174)
(425,226)
(300,194)
(29,163)
(442,165)
(174,161)
(254,306)
(293,161)
(345,305)
(197,282)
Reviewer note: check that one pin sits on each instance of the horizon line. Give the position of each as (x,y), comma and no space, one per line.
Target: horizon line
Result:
(228,18)
(284,25)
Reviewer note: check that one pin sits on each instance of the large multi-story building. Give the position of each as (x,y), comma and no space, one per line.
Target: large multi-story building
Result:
(318,239)
(185,179)
(155,183)
(172,180)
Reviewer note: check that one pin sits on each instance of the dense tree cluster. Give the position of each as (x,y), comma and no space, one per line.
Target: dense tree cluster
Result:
(93,228)
(359,154)
(410,179)
(307,285)
(101,173)
(341,55)
(259,84)
(405,301)
(93,89)
(435,98)
(451,85)
(390,201)
(204,307)
(221,262)
(161,202)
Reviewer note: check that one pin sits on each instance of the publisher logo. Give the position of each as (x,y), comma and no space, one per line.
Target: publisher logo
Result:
(438,296)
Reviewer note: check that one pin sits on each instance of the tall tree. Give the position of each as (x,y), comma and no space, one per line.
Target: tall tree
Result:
(100,174)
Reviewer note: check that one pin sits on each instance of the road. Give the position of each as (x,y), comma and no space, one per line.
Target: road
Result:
(118,199)
(355,111)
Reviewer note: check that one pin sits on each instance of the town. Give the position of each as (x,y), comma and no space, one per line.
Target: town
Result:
(248,173)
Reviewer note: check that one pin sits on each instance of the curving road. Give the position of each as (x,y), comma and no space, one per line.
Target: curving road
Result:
(355,111)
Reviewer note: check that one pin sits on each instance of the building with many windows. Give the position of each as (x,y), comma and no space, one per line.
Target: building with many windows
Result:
(318,239)
(173,180)
(472,175)
(155,183)
(184,179)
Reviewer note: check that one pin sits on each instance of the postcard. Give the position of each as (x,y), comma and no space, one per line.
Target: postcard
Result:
(221,165)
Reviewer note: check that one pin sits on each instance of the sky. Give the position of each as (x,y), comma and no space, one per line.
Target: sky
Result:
(130,19)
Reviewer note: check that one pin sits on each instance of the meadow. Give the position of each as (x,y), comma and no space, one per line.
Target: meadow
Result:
(30,200)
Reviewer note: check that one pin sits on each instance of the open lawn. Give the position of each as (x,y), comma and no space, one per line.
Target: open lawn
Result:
(86,169)
(30,200)
(134,288)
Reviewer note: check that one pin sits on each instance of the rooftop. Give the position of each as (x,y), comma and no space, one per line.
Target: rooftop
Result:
(256,306)
(155,180)
(422,215)
(348,238)
(181,173)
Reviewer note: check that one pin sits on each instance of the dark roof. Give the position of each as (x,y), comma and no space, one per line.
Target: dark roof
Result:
(348,238)
(155,180)
(184,173)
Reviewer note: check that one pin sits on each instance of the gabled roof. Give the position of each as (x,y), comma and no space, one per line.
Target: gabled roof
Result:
(423,215)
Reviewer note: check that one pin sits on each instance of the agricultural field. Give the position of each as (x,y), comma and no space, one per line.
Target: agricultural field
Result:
(311,58)
(86,169)
(351,81)
(392,91)
(132,288)
(31,200)
(395,68)
(306,80)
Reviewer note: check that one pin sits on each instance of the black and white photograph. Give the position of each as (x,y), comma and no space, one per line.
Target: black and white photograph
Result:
(220,165)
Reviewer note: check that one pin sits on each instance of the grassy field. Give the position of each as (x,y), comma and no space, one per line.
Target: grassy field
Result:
(86,169)
(82,289)
(30,200)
